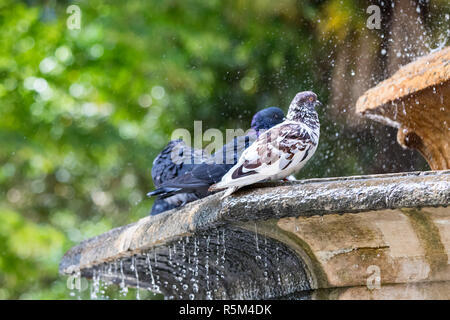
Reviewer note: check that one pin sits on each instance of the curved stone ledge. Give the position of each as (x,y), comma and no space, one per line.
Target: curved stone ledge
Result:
(415,100)
(408,291)
(281,239)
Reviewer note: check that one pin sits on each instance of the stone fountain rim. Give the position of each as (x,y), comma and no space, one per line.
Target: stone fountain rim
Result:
(432,188)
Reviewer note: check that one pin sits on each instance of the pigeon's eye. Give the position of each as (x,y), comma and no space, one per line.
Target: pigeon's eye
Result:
(311,99)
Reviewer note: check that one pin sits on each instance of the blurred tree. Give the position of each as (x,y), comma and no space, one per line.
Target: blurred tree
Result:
(84,112)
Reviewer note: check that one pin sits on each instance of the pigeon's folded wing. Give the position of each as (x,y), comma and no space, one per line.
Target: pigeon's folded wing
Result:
(174,160)
(232,151)
(195,181)
(273,152)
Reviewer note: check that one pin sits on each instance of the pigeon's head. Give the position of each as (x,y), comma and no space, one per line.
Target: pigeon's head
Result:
(267,118)
(303,104)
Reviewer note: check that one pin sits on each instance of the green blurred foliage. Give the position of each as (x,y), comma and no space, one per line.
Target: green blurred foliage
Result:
(29,257)
(84,112)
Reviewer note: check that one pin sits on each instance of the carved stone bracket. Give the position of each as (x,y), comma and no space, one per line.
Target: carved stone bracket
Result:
(416,100)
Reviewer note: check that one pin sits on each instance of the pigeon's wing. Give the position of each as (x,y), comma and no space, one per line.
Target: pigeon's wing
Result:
(174,160)
(274,151)
(195,181)
(210,173)
(232,151)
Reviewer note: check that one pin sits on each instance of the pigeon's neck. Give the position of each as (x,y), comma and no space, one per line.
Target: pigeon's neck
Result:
(255,132)
(307,116)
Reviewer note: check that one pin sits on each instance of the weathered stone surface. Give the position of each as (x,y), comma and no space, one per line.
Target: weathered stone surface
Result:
(222,263)
(416,101)
(404,291)
(403,245)
(284,238)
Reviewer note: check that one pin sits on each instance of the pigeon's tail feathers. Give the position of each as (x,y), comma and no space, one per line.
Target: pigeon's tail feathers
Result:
(160,206)
(163,192)
(238,183)
(235,177)
(228,192)
(225,183)
(216,187)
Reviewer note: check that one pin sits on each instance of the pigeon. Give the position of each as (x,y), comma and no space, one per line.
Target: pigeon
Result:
(193,184)
(280,151)
(161,205)
(174,160)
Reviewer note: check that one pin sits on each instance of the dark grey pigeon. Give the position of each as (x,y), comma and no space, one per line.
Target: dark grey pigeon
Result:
(174,160)
(193,184)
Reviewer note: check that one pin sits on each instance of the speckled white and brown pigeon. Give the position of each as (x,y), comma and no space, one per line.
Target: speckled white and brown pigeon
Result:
(280,151)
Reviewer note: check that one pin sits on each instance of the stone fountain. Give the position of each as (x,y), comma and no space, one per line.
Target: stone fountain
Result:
(362,237)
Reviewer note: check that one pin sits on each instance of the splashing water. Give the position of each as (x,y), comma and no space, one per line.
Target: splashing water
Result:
(123,287)
(134,268)
(95,285)
(208,290)
(258,256)
(154,286)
